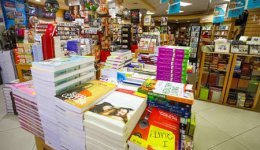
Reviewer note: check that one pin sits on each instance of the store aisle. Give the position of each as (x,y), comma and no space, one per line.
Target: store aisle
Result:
(218,128)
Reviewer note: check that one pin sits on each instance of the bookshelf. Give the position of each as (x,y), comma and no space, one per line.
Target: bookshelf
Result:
(243,88)
(213,76)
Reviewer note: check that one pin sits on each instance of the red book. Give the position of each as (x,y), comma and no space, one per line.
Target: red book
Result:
(157,125)
(48,47)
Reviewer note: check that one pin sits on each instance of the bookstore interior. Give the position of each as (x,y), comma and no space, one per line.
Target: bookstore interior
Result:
(127,74)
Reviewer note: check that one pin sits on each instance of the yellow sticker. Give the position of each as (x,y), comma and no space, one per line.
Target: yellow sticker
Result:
(140,94)
(139,141)
(161,139)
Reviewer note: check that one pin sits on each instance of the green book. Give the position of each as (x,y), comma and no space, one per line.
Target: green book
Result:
(204,93)
(192,124)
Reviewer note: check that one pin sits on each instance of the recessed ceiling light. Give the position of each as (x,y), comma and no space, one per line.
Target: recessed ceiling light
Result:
(37,0)
(149,13)
(109,0)
(176,19)
(184,4)
(188,21)
(181,11)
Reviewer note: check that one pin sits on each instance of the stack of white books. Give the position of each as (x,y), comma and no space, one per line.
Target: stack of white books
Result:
(70,107)
(7,91)
(109,123)
(119,59)
(52,77)
(26,106)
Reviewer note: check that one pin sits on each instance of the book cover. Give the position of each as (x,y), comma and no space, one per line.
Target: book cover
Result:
(156,130)
(82,97)
(116,110)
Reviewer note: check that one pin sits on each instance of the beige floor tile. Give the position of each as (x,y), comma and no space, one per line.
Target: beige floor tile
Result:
(229,145)
(250,139)
(10,121)
(207,135)
(16,139)
(200,106)
(226,119)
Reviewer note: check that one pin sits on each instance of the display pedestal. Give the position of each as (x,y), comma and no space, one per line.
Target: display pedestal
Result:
(40,144)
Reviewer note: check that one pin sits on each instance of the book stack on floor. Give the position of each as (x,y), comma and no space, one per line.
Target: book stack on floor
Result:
(172,64)
(52,77)
(119,59)
(133,78)
(26,106)
(70,106)
(173,100)
(109,123)
(7,93)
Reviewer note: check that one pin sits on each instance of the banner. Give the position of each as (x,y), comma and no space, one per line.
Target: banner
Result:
(175,7)
(20,14)
(236,8)
(164,1)
(219,13)
(253,4)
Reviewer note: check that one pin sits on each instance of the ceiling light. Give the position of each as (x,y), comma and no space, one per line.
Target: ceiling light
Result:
(176,19)
(109,0)
(181,11)
(149,13)
(226,0)
(188,21)
(37,0)
(184,4)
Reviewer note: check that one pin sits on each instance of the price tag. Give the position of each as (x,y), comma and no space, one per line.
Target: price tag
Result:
(141,142)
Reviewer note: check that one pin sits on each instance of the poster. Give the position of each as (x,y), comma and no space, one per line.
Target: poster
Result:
(175,7)
(236,8)
(164,1)
(219,13)
(20,14)
(147,20)
(8,7)
(164,21)
(74,11)
(135,16)
(253,4)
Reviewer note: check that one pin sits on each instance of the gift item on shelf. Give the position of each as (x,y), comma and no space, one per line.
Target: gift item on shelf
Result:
(172,63)
(119,59)
(109,123)
(222,46)
(27,107)
(53,77)
(70,106)
(67,30)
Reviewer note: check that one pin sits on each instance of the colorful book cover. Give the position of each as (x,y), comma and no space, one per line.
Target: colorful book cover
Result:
(157,130)
(119,107)
(86,94)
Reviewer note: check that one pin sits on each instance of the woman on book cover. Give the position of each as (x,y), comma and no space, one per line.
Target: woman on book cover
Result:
(105,109)
(122,114)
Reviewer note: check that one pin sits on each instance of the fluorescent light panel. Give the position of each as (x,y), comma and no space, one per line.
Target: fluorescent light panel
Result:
(149,13)
(184,4)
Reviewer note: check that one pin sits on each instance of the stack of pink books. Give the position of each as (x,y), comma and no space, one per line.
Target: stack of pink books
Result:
(172,63)
(26,106)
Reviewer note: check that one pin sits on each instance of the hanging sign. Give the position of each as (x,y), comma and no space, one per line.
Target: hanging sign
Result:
(236,8)
(219,13)
(253,4)
(164,1)
(175,7)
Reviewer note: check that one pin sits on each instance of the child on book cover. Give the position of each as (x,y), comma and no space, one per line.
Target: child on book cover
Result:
(107,109)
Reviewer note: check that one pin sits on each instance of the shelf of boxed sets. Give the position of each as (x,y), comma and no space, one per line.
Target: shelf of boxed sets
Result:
(213,76)
(243,88)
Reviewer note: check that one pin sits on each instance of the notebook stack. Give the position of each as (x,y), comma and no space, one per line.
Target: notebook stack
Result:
(172,64)
(119,59)
(27,107)
(52,77)
(173,98)
(109,123)
(70,106)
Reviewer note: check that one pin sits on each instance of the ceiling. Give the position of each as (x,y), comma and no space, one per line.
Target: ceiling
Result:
(197,7)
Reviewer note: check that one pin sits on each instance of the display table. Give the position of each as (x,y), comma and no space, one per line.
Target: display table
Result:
(40,144)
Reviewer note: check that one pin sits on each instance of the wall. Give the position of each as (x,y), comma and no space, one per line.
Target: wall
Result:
(253,28)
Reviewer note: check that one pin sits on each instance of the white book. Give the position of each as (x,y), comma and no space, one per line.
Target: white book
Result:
(61,63)
(115,112)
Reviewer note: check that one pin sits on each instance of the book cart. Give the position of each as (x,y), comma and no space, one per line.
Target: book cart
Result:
(213,76)
(243,88)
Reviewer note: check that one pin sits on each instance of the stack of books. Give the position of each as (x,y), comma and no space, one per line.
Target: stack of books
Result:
(150,59)
(173,98)
(119,59)
(70,106)
(172,63)
(52,77)
(110,122)
(27,108)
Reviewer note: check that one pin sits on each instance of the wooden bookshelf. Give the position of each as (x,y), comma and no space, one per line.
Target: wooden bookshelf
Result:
(230,79)
(201,70)
(40,144)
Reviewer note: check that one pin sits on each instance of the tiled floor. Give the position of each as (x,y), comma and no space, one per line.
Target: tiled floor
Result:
(218,128)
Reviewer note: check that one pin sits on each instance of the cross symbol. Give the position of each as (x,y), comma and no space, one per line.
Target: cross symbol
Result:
(254,17)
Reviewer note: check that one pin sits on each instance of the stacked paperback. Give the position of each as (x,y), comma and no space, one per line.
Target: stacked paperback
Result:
(110,122)
(119,59)
(52,77)
(175,99)
(70,106)
(172,63)
(27,107)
